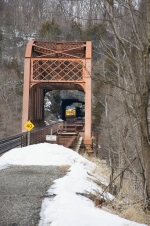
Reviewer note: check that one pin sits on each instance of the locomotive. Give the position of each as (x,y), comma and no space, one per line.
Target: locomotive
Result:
(70,111)
(74,112)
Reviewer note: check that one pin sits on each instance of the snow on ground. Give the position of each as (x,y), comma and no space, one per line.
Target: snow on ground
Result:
(68,207)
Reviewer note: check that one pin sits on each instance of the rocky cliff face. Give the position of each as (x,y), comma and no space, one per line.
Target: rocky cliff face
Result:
(53,107)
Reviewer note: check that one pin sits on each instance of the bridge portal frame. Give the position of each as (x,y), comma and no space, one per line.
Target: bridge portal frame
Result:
(42,69)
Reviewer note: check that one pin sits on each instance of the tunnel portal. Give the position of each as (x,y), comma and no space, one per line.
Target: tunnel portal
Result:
(67,102)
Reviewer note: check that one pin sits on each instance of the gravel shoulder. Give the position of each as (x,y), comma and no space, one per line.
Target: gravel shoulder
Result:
(22,190)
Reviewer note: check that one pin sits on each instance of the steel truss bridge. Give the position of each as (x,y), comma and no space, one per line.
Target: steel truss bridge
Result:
(56,66)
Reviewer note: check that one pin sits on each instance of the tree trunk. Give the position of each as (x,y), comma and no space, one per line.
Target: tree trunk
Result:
(144,130)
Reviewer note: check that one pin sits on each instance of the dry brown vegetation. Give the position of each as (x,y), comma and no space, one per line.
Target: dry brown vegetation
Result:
(126,204)
(64,168)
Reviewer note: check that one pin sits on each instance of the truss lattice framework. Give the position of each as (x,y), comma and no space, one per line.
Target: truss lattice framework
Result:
(57,65)
(64,70)
(59,49)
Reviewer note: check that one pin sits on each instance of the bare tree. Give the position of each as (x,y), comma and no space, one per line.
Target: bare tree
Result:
(126,72)
(10,102)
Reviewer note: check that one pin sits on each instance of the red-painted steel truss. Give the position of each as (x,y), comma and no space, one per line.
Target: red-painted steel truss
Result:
(56,66)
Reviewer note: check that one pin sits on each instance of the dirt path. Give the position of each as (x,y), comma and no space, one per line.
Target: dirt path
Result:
(22,189)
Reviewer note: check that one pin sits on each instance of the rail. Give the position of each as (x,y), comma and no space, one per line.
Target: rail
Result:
(36,136)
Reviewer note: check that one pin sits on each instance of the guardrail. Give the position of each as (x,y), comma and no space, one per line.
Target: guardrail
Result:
(10,142)
(36,136)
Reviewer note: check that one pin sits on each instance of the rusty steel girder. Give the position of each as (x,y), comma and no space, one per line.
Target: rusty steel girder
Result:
(56,65)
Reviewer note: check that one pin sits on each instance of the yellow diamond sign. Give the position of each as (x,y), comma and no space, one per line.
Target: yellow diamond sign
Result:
(29,125)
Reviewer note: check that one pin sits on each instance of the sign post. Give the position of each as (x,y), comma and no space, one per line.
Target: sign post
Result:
(29,126)
(51,137)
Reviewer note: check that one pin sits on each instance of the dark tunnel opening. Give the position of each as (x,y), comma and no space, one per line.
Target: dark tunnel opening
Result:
(68,102)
